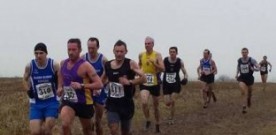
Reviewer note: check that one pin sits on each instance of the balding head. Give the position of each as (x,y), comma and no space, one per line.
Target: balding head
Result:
(149,43)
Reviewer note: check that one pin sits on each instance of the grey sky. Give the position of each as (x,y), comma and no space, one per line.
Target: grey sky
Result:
(223,26)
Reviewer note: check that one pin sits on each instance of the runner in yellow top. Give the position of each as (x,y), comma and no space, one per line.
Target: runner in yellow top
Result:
(151,63)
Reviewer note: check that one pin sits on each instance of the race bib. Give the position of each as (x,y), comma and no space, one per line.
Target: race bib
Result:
(70,94)
(116,90)
(150,79)
(45,91)
(263,69)
(170,77)
(206,70)
(244,68)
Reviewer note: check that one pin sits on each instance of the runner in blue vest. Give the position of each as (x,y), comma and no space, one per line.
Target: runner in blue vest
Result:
(97,60)
(245,69)
(40,82)
(206,74)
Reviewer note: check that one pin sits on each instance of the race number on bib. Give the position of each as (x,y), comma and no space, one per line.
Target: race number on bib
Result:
(70,94)
(263,69)
(170,77)
(244,69)
(206,70)
(150,79)
(116,90)
(44,91)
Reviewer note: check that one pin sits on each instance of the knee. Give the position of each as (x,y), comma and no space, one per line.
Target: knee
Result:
(35,131)
(114,130)
(87,130)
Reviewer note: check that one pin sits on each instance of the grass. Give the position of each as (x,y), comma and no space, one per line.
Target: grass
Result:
(221,118)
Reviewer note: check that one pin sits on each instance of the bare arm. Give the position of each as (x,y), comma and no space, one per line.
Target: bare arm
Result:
(95,79)
(26,77)
(184,70)
(214,70)
(142,78)
(103,75)
(238,71)
(270,66)
(139,60)
(159,63)
(60,80)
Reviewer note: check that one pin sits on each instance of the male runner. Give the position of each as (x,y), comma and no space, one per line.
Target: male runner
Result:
(40,82)
(264,70)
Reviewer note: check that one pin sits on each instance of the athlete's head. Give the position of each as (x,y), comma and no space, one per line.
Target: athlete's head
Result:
(74,48)
(244,52)
(120,50)
(173,51)
(149,43)
(40,52)
(206,54)
(93,45)
(265,57)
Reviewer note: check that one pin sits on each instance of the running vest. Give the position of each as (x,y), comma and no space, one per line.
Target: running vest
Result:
(245,67)
(149,69)
(206,65)
(171,74)
(98,64)
(263,66)
(116,91)
(81,96)
(43,82)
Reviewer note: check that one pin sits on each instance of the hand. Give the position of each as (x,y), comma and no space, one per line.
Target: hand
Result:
(59,92)
(30,93)
(124,81)
(152,60)
(75,85)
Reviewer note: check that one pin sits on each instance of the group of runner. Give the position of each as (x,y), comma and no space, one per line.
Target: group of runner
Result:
(91,84)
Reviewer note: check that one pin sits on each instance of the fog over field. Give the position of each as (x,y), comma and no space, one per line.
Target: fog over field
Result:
(223,26)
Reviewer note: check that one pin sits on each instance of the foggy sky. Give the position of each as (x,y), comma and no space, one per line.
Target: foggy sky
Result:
(223,26)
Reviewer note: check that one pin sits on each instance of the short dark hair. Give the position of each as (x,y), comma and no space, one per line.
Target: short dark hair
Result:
(120,43)
(75,40)
(244,49)
(207,50)
(95,39)
(175,48)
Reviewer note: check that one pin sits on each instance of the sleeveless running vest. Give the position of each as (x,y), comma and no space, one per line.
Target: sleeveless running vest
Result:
(245,67)
(171,74)
(149,69)
(118,94)
(43,82)
(98,64)
(264,66)
(81,96)
(206,65)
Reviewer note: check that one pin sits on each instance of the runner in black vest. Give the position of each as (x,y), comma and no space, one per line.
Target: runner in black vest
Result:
(120,74)
(245,69)
(264,70)
(171,79)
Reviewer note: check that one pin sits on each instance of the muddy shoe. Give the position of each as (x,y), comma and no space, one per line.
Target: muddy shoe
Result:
(147,125)
(244,110)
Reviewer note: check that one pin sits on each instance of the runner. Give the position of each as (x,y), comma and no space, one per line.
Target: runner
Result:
(120,73)
(264,70)
(206,74)
(151,63)
(78,79)
(245,69)
(40,82)
(171,80)
(97,60)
